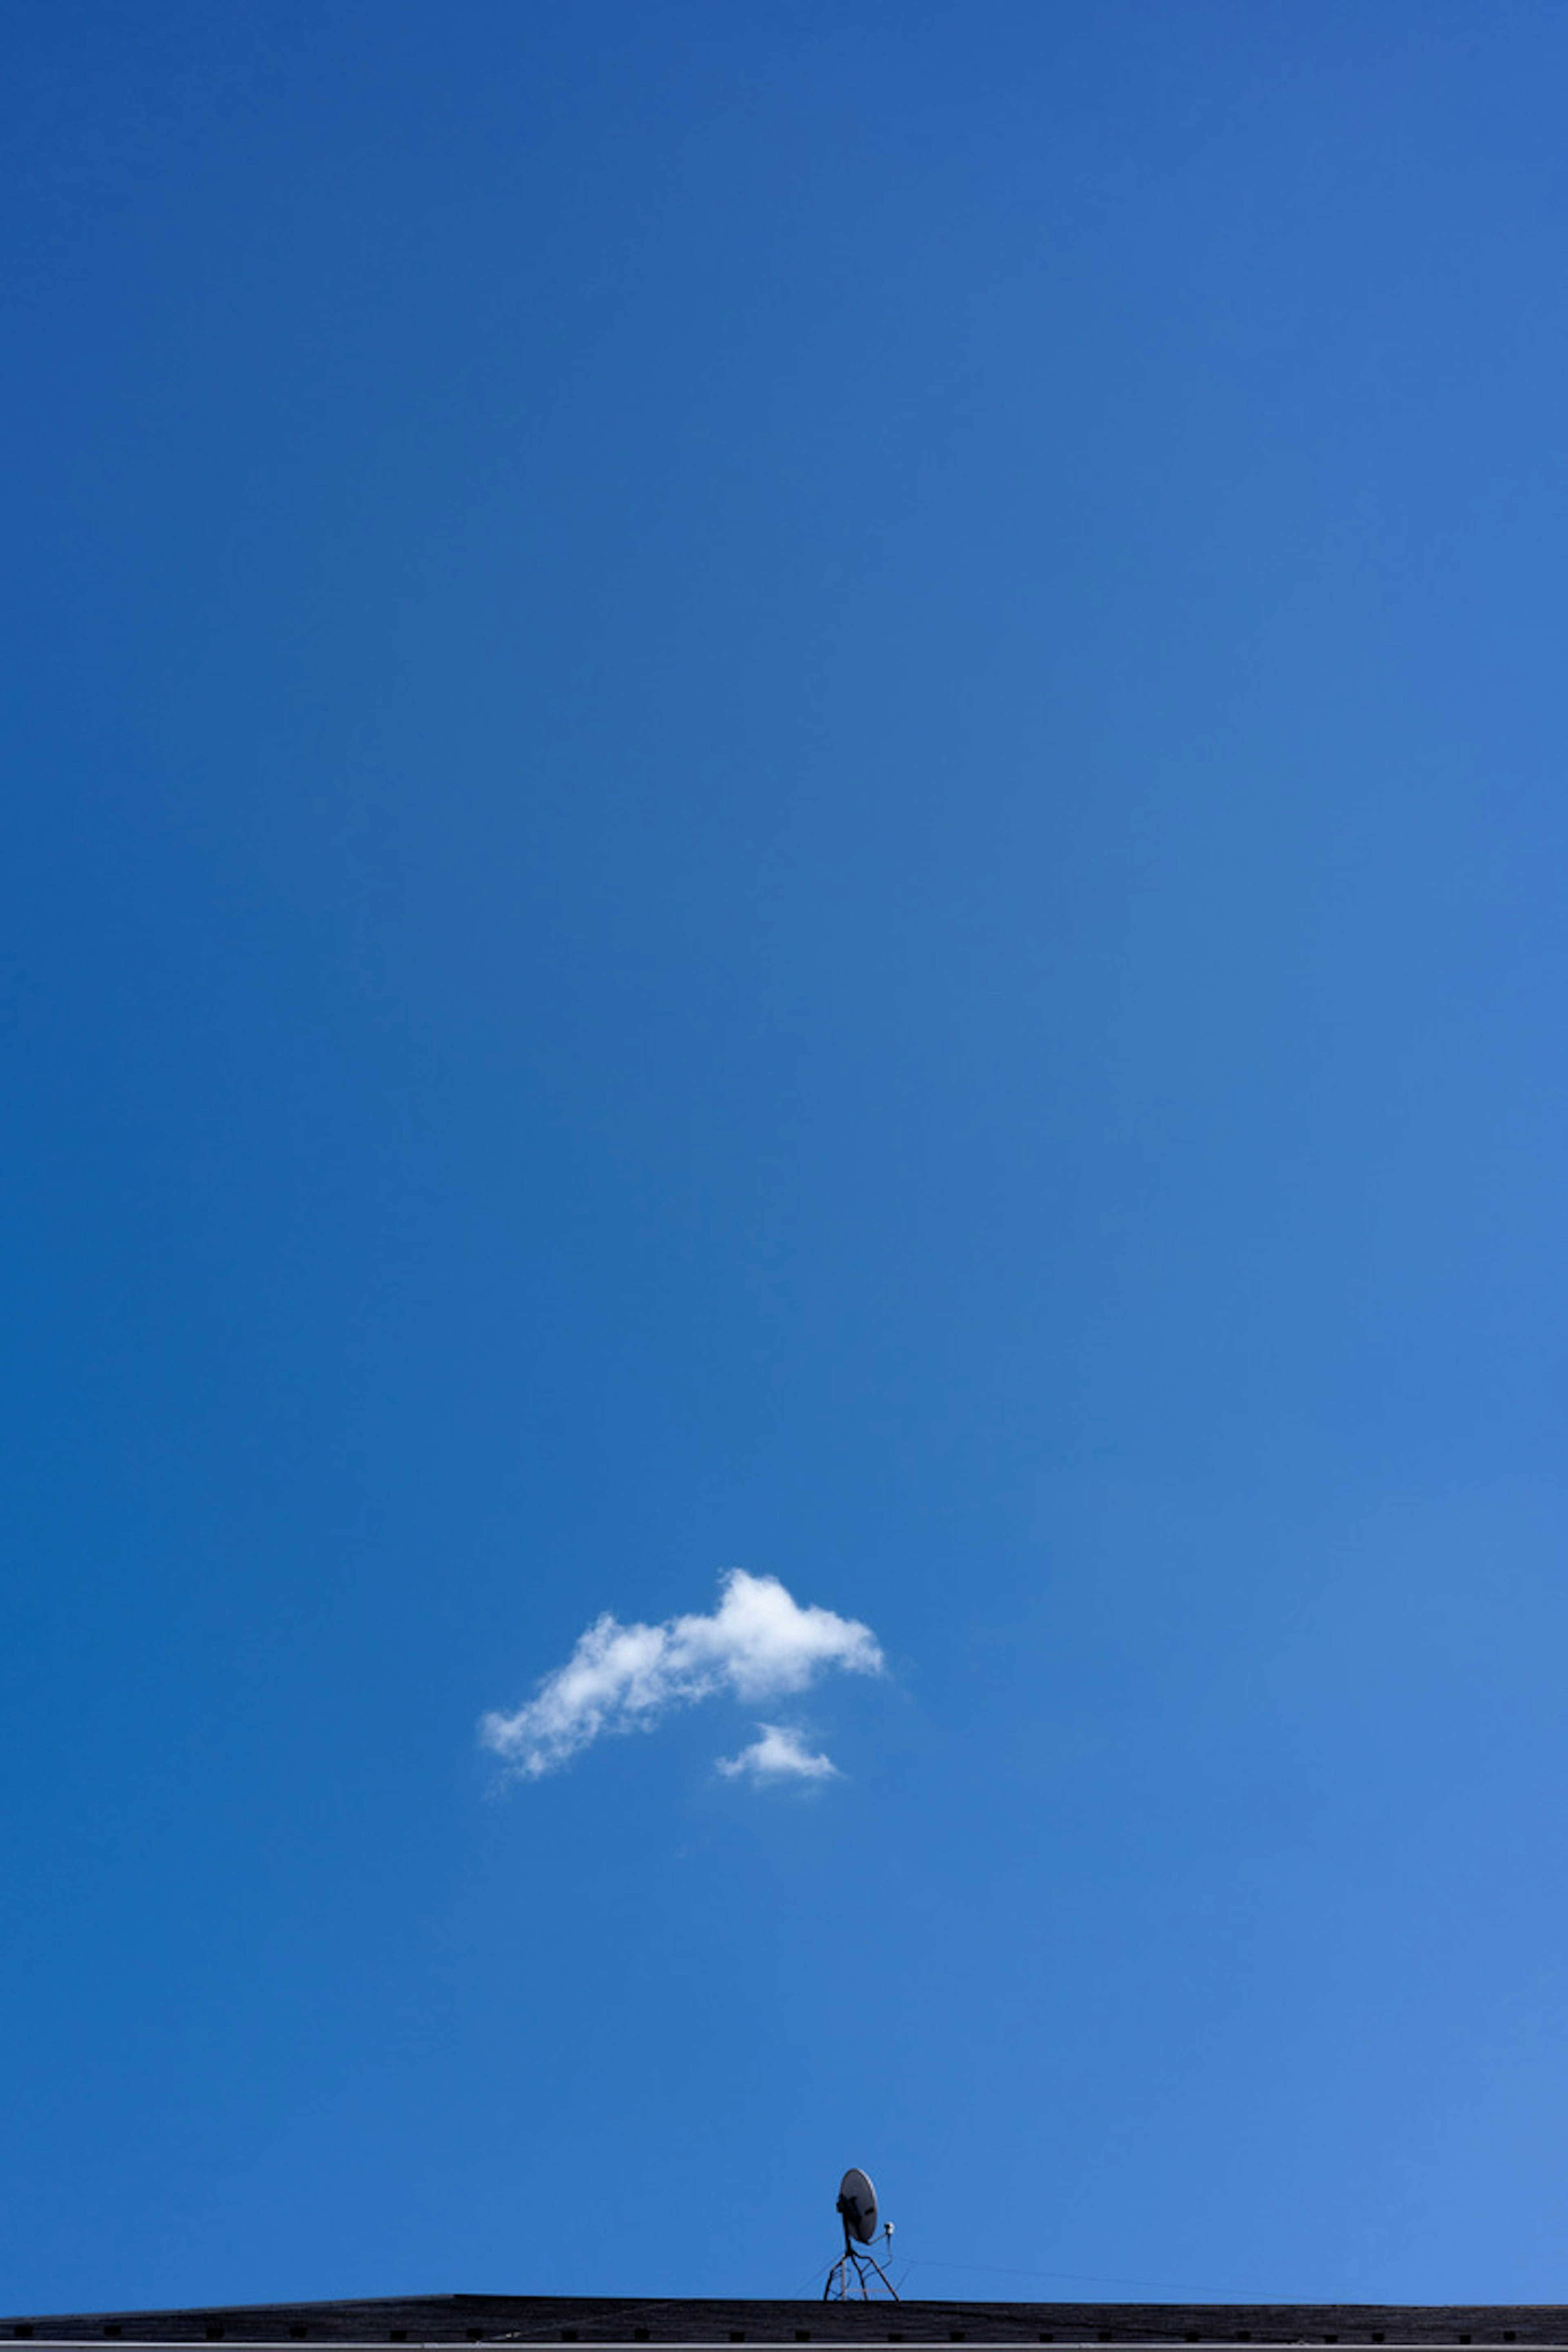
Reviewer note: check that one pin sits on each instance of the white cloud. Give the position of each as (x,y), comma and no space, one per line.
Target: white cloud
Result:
(778,1754)
(757,1643)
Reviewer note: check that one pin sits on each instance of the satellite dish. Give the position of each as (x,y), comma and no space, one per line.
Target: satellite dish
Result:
(858,2211)
(857,2203)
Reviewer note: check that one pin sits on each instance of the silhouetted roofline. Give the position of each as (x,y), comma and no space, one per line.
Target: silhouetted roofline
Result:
(674,2321)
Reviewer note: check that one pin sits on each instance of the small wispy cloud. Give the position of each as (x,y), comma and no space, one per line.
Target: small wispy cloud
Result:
(758,1644)
(778,1754)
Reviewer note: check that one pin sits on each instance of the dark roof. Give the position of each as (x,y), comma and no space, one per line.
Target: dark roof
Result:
(587,2319)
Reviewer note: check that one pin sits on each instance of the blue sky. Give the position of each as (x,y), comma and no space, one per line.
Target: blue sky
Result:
(785,793)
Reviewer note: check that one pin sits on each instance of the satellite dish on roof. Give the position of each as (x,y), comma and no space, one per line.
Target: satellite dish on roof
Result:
(858,2211)
(857,2203)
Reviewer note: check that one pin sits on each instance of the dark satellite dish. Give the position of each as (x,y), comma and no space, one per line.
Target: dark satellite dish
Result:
(857,2204)
(858,2211)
